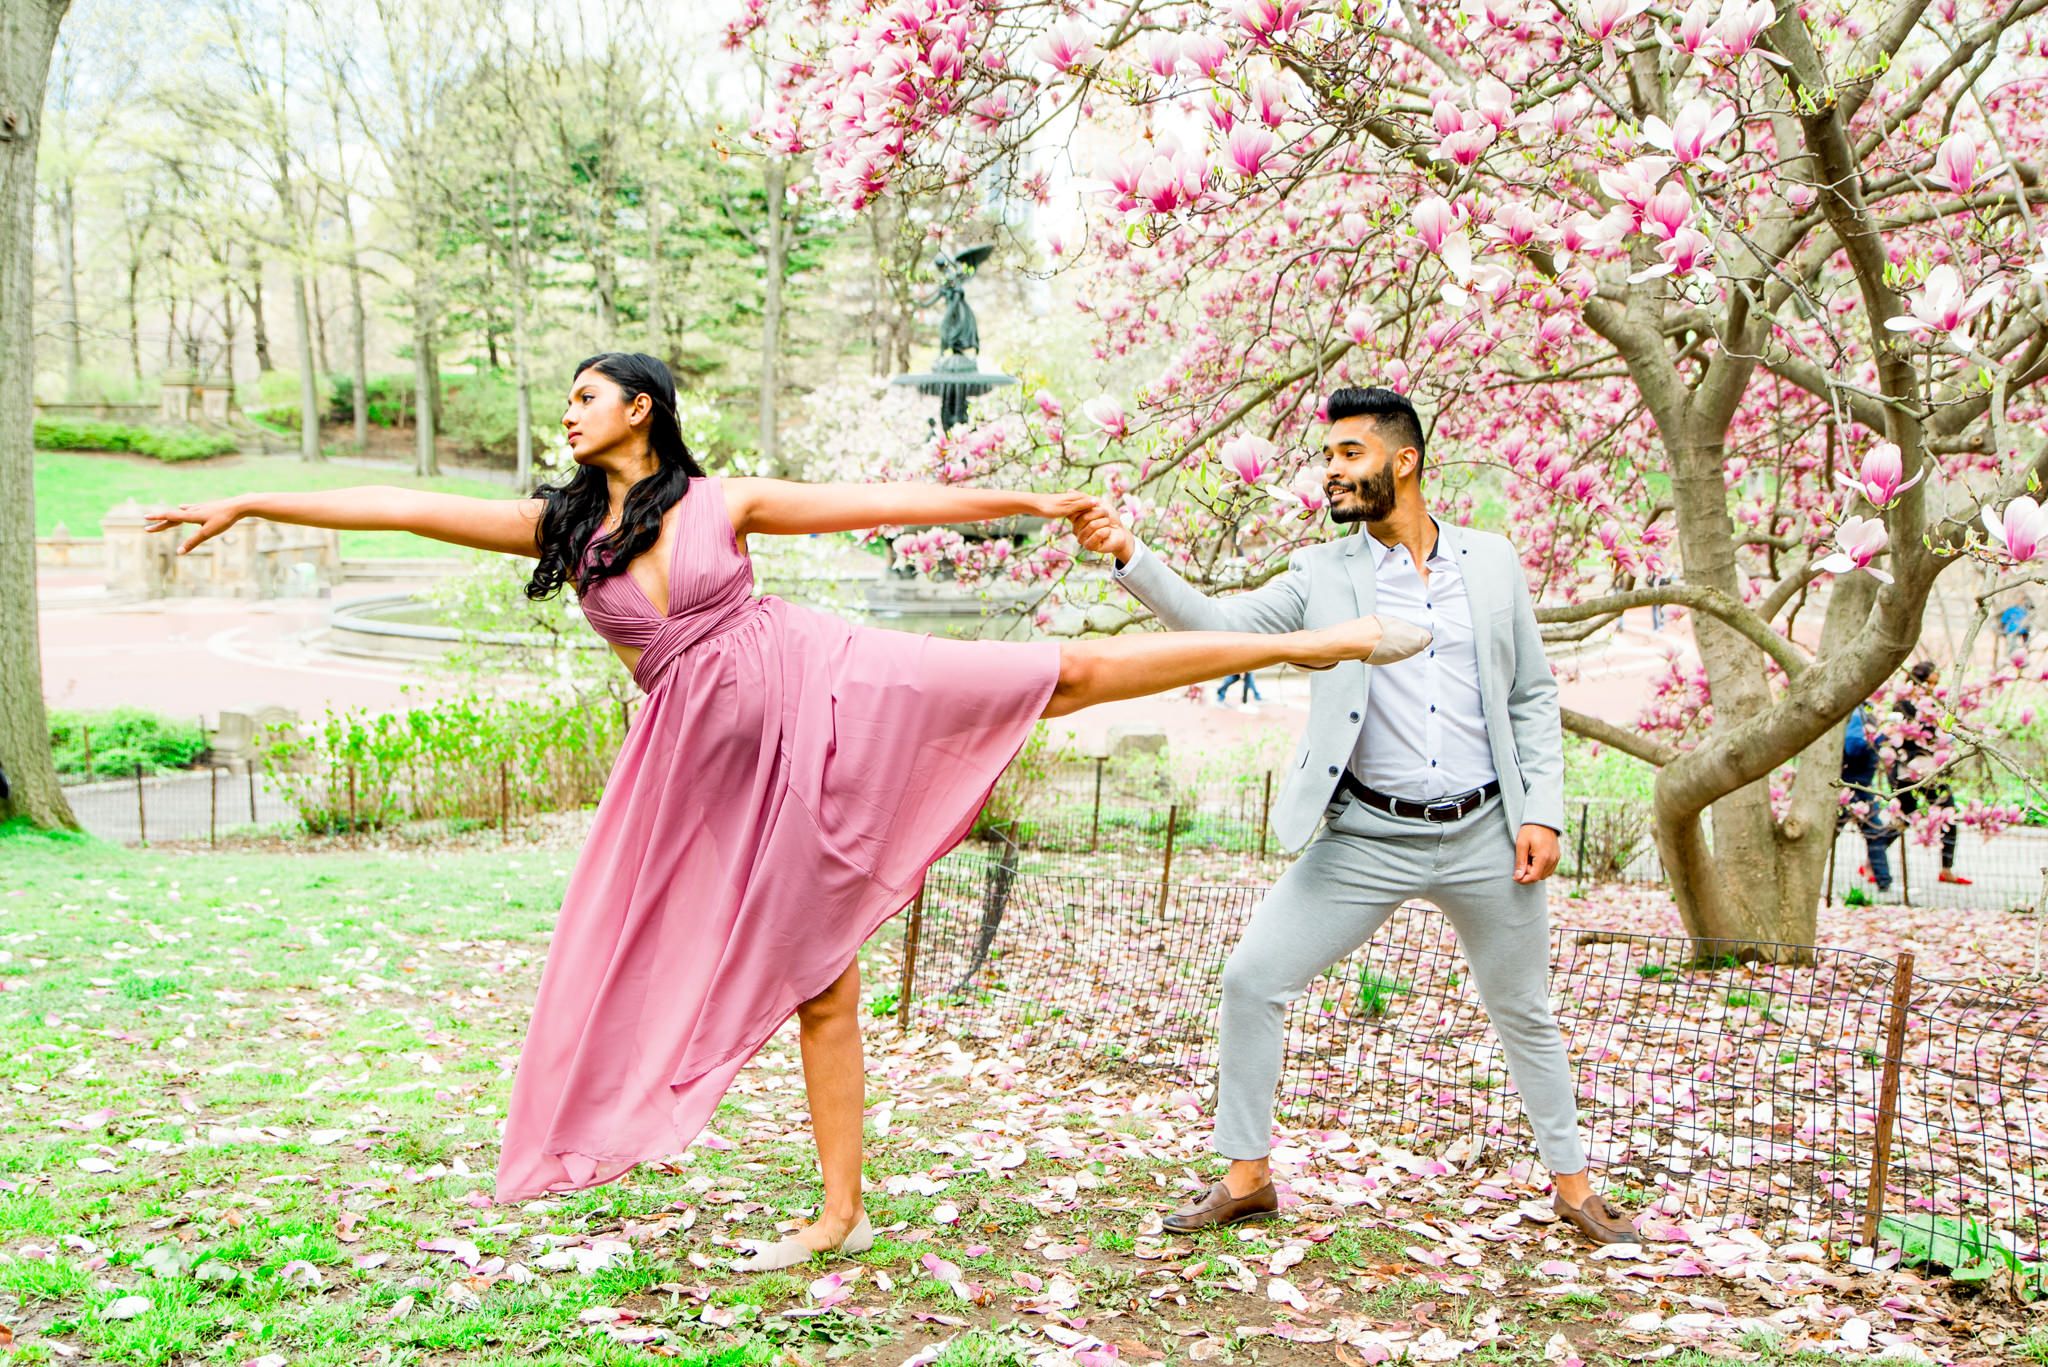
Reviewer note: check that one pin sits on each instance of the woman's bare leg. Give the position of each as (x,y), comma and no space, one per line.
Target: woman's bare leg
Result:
(1137,666)
(835,1080)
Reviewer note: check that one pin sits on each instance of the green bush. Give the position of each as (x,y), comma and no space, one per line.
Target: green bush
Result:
(390,399)
(164,443)
(481,412)
(119,740)
(472,758)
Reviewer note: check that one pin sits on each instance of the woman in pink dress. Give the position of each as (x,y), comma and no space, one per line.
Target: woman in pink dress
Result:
(781,792)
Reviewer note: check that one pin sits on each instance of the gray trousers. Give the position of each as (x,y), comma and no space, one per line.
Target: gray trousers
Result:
(1354,875)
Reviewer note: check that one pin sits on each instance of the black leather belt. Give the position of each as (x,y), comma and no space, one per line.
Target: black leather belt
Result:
(1443,810)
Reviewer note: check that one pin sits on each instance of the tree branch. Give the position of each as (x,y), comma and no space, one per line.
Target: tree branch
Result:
(1618,738)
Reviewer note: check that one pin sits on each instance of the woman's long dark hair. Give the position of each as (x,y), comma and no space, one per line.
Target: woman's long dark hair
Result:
(574,511)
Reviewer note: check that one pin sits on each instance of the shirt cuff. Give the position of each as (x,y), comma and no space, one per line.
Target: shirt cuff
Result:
(1123,567)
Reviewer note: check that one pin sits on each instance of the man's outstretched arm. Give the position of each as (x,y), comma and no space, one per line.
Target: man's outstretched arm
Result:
(1278,606)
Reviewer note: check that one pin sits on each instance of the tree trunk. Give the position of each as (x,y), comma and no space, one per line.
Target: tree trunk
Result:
(258,328)
(319,324)
(135,319)
(775,177)
(64,209)
(28,32)
(358,343)
(424,381)
(522,381)
(228,330)
(309,381)
(657,312)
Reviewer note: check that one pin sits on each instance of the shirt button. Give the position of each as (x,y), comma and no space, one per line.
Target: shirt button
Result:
(1432,764)
(1432,707)
(1333,771)
(1354,716)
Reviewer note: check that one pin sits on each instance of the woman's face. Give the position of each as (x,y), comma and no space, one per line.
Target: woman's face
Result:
(599,418)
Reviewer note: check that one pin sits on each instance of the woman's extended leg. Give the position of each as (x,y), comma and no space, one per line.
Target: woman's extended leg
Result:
(1136,666)
(835,1080)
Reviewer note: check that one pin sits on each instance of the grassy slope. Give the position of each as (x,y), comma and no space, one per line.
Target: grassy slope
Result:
(77,488)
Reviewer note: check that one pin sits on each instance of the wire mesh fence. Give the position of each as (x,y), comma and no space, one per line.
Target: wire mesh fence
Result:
(1780,1092)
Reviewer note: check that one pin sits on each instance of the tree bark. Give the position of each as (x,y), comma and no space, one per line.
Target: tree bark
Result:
(319,324)
(775,177)
(309,381)
(64,212)
(522,381)
(657,312)
(425,380)
(28,32)
(358,343)
(258,328)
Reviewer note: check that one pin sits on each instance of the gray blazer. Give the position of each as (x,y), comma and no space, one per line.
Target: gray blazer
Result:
(1332,582)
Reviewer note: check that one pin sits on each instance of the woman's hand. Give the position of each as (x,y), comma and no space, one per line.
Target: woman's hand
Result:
(1064,507)
(211,518)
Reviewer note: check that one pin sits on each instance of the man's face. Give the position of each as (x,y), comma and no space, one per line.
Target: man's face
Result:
(1360,472)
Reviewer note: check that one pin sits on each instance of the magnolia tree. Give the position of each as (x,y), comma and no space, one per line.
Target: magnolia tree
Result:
(1744,302)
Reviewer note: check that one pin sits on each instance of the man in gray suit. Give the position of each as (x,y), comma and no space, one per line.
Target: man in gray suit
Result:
(1441,778)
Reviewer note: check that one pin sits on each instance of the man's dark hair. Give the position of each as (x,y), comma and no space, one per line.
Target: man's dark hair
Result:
(1390,412)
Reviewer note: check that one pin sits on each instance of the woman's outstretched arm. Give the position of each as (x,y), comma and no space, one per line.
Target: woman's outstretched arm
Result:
(486,524)
(785,508)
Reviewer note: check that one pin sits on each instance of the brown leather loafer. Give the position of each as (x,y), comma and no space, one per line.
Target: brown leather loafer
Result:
(1597,1221)
(1219,1208)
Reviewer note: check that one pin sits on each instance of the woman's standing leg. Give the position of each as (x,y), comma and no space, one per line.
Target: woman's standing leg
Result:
(835,1080)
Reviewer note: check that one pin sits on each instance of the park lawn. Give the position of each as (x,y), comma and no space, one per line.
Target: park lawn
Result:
(77,488)
(249,1114)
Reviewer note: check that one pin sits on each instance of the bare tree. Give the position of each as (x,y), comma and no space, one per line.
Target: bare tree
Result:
(28,33)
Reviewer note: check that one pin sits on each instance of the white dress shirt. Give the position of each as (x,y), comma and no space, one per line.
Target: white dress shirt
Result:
(1424,735)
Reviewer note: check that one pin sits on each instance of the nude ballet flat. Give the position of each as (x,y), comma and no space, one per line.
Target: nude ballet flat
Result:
(788,1253)
(1398,640)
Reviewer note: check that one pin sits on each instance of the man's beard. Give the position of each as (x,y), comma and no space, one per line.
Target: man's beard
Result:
(1372,499)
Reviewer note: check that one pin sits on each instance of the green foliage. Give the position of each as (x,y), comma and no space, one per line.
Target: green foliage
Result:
(121,739)
(1376,993)
(471,757)
(1857,896)
(164,443)
(1023,787)
(481,412)
(391,399)
(1971,1253)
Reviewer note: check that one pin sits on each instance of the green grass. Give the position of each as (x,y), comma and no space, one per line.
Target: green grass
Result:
(77,489)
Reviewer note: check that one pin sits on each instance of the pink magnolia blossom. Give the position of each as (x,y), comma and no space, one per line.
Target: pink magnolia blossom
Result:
(2021,531)
(1250,147)
(1268,20)
(1447,118)
(1306,488)
(1687,253)
(1465,147)
(1940,305)
(1162,53)
(1668,211)
(1207,51)
(1360,326)
(1250,458)
(1635,183)
(1698,127)
(1494,102)
(1514,223)
(1107,414)
(1434,218)
(1741,21)
(1858,541)
(1955,163)
(1486,14)
(1602,19)
(1689,34)
(1878,479)
(1270,98)
(1066,47)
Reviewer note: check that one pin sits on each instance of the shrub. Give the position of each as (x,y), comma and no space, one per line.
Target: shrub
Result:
(470,758)
(121,739)
(390,398)
(164,443)
(481,412)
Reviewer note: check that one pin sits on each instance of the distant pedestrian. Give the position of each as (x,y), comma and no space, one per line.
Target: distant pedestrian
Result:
(1911,780)
(1657,581)
(1248,693)
(1866,807)
(2016,626)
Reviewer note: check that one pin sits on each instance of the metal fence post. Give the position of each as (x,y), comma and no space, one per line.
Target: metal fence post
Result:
(141,816)
(212,804)
(85,731)
(906,984)
(505,802)
(250,770)
(1833,845)
(1095,822)
(1579,870)
(1905,874)
(1265,812)
(1888,1094)
(1166,869)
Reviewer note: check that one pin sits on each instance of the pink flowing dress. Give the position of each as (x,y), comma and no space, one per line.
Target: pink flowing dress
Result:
(786,783)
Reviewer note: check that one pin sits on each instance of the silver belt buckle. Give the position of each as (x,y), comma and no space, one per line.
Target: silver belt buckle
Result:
(1451,810)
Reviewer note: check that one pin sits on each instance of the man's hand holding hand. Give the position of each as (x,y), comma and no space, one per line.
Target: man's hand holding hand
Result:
(1100,530)
(1536,854)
